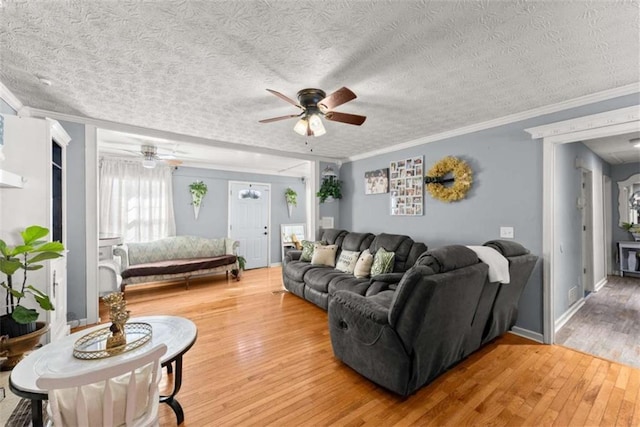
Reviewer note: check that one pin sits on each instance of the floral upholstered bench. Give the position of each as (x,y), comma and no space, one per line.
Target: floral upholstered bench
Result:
(179,257)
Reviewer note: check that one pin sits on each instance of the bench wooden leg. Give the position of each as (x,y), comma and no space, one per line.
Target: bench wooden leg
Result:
(187,281)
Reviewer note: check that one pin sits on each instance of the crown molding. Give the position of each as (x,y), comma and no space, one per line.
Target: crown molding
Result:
(512,118)
(10,98)
(623,120)
(156,133)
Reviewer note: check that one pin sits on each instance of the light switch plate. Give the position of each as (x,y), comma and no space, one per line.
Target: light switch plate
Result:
(506,232)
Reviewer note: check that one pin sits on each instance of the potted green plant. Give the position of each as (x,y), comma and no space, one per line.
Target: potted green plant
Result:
(236,273)
(632,228)
(331,188)
(292,199)
(29,256)
(198,190)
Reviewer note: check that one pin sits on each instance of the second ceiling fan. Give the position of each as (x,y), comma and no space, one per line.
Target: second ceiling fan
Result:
(315,104)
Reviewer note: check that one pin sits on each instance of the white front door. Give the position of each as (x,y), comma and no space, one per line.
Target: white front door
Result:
(249,206)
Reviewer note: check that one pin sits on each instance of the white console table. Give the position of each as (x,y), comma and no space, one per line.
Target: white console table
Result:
(627,257)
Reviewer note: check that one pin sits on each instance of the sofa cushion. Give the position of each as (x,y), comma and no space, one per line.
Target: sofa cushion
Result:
(357,242)
(296,270)
(382,262)
(398,244)
(308,248)
(347,261)
(333,236)
(324,255)
(448,258)
(362,268)
(319,278)
(178,247)
(507,248)
(347,282)
(177,266)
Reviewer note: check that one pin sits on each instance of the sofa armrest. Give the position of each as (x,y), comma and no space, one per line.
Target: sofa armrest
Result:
(362,307)
(231,246)
(292,255)
(123,252)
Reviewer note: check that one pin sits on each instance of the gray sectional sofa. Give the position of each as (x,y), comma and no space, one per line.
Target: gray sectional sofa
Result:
(317,283)
(403,329)
(443,309)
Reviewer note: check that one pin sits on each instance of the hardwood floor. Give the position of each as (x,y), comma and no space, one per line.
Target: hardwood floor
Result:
(608,324)
(265,358)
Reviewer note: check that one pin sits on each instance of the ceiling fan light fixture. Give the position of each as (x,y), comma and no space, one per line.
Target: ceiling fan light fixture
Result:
(635,142)
(301,127)
(315,123)
(149,163)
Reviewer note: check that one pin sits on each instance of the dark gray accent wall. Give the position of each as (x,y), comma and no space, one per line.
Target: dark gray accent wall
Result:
(568,219)
(76,242)
(6,108)
(213,216)
(507,191)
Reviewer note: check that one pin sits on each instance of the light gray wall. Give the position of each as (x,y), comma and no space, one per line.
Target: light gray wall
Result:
(76,223)
(212,220)
(330,209)
(620,173)
(568,219)
(6,108)
(507,191)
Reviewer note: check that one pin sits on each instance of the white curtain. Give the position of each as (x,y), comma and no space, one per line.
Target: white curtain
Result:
(136,203)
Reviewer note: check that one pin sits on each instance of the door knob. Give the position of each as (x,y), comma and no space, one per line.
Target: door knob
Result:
(265,233)
(265,227)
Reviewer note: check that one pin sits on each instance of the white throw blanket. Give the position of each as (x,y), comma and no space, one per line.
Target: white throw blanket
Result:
(498,264)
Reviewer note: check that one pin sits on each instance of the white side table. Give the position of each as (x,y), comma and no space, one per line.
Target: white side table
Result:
(625,249)
(178,333)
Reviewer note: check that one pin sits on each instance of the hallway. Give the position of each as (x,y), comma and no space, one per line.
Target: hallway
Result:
(608,325)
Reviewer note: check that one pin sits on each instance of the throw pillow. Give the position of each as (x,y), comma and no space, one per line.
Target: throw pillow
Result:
(324,255)
(347,261)
(382,262)
(307,249)
(363,265)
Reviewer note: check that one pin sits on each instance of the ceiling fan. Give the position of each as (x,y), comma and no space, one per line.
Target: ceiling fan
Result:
(315,104)
(150,154)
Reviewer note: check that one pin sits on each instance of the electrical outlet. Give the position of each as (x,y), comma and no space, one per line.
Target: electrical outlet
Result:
(573,295)
(506,232)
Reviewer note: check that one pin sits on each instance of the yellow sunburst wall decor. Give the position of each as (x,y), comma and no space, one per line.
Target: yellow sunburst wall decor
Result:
(462,179)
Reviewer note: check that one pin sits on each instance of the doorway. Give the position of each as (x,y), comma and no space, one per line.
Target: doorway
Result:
(249,221)
(587,230)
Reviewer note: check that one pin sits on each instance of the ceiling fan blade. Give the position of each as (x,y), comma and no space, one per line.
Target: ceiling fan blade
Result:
(275,119)
(285,98)
(166,156)
(336,99)
(173,162)
(351,119)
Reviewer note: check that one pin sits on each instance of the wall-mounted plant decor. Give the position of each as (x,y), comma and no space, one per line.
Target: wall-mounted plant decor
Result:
(436,179)
(405,181)
(330,189)
(292,199)
(198,190)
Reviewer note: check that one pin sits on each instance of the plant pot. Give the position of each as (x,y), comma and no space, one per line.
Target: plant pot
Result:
(13,329)
(14,348)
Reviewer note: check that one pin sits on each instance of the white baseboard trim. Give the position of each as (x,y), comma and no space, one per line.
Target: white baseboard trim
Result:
(275,264)
(601,284)
(569,314)
(526,333)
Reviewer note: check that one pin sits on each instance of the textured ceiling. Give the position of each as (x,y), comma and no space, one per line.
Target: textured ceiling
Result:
(418,67)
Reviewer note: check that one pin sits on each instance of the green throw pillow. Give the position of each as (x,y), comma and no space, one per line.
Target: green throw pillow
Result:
(307,249)
(382,262)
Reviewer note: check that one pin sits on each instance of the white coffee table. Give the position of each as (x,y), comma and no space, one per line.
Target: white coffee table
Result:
(177,333)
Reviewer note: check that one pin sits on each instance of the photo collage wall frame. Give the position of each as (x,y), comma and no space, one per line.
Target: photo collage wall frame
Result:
(406,184)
